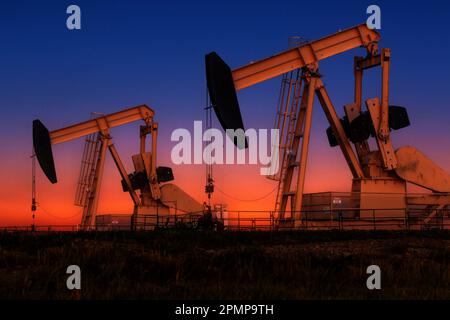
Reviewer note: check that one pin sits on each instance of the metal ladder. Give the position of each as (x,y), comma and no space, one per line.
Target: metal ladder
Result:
(89,160)
(287,117)
(86,181)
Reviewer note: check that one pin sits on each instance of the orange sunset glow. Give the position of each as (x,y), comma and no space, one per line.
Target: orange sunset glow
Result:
(236,185)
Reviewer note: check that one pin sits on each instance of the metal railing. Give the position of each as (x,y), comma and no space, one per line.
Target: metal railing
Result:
(340,219)
(41,228)
(331,219)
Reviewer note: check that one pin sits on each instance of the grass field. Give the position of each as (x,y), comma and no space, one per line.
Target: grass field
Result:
(228,265)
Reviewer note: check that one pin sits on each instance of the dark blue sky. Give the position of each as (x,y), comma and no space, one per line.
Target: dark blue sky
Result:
(133,52)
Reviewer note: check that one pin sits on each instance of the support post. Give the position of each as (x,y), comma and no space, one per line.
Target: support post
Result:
(304,151)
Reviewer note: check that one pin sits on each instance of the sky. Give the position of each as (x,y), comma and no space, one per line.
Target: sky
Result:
(129,53)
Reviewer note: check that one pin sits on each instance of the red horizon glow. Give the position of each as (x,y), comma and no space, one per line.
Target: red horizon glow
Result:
(327,171)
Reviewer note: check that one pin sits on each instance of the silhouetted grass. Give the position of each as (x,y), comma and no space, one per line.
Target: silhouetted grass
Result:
(230,265)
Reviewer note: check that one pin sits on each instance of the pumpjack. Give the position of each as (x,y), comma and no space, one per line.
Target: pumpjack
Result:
(380,176)
(147,185)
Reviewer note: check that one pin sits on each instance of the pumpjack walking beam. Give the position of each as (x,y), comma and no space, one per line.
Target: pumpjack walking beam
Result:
(112,120)
(306,54)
